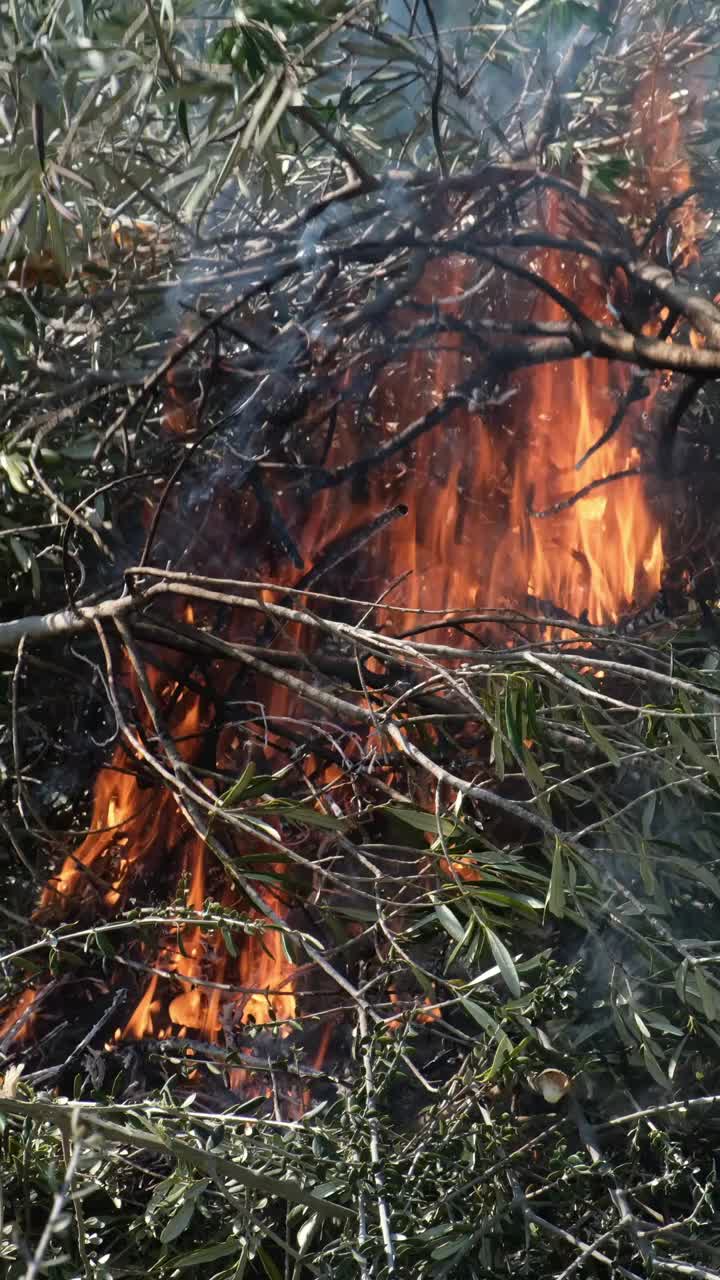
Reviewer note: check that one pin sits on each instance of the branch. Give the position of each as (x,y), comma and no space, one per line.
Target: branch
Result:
(564,503)
(348,157)
(638,390)
(669,429)
(65,622)
(701,312)
(571,68)
(437,91)
(77,1120)
(374,1130)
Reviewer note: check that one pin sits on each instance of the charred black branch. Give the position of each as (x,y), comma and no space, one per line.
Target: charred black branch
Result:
(437,91)
(662,215)
(638,390)
(669,429)
(280,531)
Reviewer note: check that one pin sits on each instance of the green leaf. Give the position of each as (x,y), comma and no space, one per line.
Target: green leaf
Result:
(270,1267)
(706,877)
(211,1252)
(182,116)
(503,1051)
(535,777)
(307,1231)
(692,749)
(513,717)
(450,1248)
(497,755)
(462,943)
(654,1067)
(233,794)
(421,820)
(16,470)
(555,900)
(708,995)
(103,944)
(600,740)
(528,6)
(22,555)
(612,171)
(12,328)
(10,356)
(481,1016)
(199,191)
(228,940)
(504,962)
(12,195)
(646,870)
(449,921)
(304,814)
(661,1023)
(324,1189)
(179,1221)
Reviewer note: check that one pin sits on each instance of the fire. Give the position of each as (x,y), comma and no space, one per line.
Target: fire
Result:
(602,555)
(195,989)
(17,1025)
(127,825)
(427,1012)
(469,541)
(666,164)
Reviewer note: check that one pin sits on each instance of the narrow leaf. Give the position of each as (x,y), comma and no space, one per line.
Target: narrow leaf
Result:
(504,961)
(555,900)
(449,921)
(179,1221)
(654,1067)
(237,789)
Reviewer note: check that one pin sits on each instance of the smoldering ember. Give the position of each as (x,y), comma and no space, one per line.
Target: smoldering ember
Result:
(360,734)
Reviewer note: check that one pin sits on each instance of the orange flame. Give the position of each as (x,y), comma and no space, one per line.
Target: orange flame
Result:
(18,1023)
(603,554)
(666,164)
(468,539)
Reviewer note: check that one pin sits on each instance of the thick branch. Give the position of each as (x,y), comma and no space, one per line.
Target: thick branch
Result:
(701,312)
(65,622)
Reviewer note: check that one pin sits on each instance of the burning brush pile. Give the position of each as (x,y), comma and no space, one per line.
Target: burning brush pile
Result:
(405,726)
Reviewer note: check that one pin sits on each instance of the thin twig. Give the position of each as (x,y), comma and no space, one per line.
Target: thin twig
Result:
(564,504)
(374,1130)
(56,1210)
(437,90)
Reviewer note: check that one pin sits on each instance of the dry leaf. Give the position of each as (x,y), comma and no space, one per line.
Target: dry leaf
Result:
(552,1084)
(8,1088)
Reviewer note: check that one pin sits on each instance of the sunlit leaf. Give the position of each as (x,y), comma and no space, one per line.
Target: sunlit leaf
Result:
(179,1221)
(556,889)
(238,789)
(654,1068)
(504,961)
(449,921)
